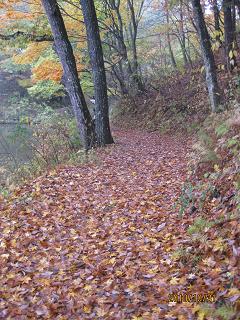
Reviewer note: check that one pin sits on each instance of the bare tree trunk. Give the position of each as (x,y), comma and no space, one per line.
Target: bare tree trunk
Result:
(71,81)
(117,32)
(173,61)
(237,3)
(208,57)
(216,15)
(133,33)
(229,34)
(118,70)
(102,126)
(234,18)
(182,39)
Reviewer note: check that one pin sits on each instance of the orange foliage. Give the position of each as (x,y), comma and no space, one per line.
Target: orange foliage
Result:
(32,53)
(48,70)
(19,10)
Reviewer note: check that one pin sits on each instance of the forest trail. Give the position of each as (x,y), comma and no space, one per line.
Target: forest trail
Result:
(92,242)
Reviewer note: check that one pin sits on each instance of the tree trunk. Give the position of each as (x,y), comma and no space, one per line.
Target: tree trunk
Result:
(229,34)
(234,17)
(117,32)
(173,61)
(208,57)
(65,53)
(237,3)
(102,125)
(182,38)
(216,15)
(133,27)
(234,21)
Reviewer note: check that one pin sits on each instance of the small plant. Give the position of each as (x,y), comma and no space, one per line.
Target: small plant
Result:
(222,130)
(200,224)
(196,259)
(223,312)
(193,196)
(186,198)
(232,142)
(4,192)
(207,147)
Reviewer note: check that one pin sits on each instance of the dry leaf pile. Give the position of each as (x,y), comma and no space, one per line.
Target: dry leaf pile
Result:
(102,240)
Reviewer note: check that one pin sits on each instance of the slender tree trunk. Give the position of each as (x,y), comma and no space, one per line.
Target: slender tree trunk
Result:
(71,81)
(234,21)
(228,34)
(133,33)
(237,3)
(161,52)
(216,14)
(208,57)
(182,38)
(102,125)
(121,78)
(173,61)
(183,48)
(118,34)
(234,16)
(118,73)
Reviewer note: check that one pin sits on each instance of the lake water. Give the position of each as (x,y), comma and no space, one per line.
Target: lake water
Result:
(11,149)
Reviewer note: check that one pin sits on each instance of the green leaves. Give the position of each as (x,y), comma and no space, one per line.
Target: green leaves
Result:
(222,129)
(232,142)
(46,89)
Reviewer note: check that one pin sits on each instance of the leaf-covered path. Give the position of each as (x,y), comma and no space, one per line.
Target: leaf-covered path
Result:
(92,242)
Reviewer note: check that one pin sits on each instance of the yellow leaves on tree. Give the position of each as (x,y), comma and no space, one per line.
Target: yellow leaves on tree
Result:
(15,15)
(73,19)
(48,70)
(16,10)
(32,53)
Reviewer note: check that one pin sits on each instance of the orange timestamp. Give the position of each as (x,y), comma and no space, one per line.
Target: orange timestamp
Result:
(180,297)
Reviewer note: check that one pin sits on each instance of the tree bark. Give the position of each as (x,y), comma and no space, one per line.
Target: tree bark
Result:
(65,52)
(182,39)
(228,34)
(118,42)
(133,27)
(234,21)
(102,126)
(28,36)
(216,15)
(237,3)
(173,61)
(208,57)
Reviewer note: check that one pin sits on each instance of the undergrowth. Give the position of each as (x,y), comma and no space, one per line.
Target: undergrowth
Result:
(50,141)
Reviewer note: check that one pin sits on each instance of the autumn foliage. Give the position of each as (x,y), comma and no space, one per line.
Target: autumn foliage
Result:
(47,70)
(32,53)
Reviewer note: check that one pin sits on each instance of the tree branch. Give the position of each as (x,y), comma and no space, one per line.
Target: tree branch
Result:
(31,37)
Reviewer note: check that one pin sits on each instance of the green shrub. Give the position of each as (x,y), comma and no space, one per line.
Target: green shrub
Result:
(46,89)
(8,65)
